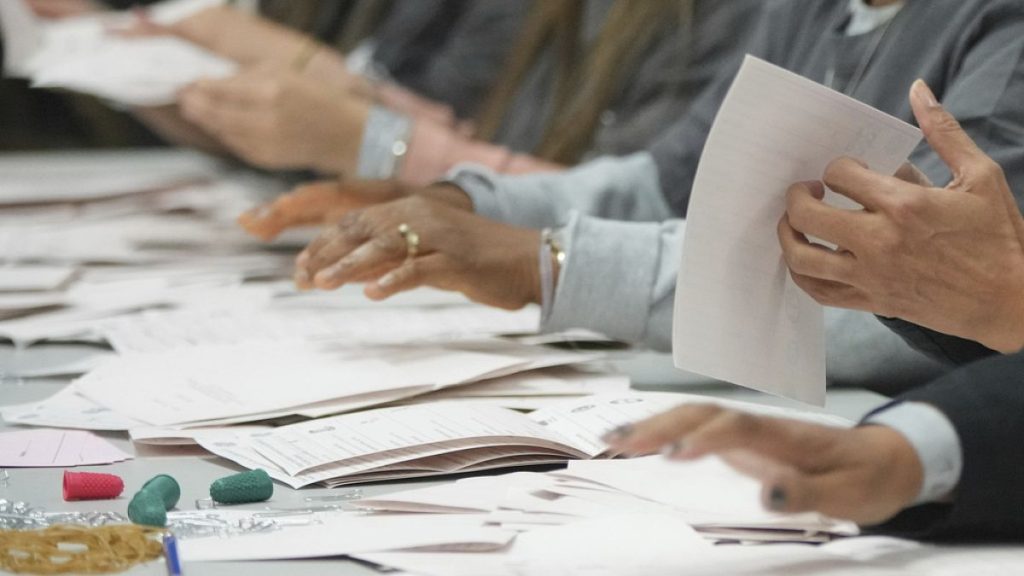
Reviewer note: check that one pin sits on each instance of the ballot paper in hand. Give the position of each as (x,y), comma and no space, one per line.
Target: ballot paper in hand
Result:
(738,315)
(82,54)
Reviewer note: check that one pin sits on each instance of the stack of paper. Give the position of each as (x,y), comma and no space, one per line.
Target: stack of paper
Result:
(85,55)
(717,500)
(430,439)
(217,385)
(339,533)
(162,331)
(80,177)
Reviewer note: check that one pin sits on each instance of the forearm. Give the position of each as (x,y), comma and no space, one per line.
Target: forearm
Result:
(413,105)
(167,123)
(207,29)
(624,188)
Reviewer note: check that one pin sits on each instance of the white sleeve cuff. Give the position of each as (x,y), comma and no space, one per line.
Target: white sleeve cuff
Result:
(934,439)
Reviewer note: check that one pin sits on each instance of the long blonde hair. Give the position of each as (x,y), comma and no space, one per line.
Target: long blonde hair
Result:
(587,81)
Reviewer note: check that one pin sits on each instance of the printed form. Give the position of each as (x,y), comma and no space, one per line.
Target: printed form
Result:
(738,315)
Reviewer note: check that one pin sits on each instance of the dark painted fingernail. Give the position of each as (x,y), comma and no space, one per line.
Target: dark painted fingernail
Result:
(777,499)
(618,434)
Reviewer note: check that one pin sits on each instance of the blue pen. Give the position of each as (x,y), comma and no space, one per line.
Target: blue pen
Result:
(171,554)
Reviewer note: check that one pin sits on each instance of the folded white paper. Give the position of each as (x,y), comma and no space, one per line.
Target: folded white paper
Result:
(738,315)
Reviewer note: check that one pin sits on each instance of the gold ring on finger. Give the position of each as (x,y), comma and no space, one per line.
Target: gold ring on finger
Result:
(412,240)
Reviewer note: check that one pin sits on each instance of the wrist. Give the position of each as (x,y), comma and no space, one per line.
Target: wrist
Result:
(449,194)
(1009,337)
(341,155)
(900,472)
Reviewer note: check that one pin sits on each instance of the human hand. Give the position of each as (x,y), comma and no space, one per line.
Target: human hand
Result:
(279,120)
(950,259)
(64,8)
(866,474)
(487,261)
(257,42)
(327,201)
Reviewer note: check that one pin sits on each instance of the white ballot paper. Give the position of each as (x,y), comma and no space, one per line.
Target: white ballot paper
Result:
(34,278)
(738,315)
(429,440)
(250,382)
(340,534)
(84,55)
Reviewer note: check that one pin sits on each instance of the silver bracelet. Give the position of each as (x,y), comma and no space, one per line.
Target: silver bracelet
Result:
(550,252)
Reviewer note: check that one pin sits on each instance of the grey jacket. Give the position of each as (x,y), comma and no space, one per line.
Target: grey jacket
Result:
(623,246)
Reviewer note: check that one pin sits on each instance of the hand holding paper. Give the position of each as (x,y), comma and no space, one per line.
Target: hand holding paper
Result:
(82,54)
(738,315)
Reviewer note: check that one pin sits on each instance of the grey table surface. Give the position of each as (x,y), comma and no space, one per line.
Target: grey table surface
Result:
(196,469)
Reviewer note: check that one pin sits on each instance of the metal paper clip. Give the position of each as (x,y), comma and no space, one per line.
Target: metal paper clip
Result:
(354,494)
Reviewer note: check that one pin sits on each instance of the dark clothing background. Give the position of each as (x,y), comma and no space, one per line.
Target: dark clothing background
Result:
(985,403)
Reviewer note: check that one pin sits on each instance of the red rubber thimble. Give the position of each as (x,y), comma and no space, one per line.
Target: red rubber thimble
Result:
(91,486)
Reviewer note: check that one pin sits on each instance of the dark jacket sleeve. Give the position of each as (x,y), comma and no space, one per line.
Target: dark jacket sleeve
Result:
(985,403)
(942,347)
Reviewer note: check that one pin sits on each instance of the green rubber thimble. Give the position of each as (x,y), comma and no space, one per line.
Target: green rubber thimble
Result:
(166,488)
(243,488)
(147,508)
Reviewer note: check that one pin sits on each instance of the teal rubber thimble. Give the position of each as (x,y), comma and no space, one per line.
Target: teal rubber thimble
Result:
(149,506)
(166,488)
(243,488)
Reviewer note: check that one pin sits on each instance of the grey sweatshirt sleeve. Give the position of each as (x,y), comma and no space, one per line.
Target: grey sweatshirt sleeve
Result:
(625,188)
(618,278)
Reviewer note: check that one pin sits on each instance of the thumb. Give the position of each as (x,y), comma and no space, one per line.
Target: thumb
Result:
(943,132)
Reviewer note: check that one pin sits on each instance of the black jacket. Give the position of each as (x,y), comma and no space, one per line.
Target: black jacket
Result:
(985,403)
(942,347)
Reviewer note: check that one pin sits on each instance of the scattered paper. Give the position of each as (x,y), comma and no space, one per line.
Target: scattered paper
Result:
(344,534)
(645,544)
(738,315)
(159,331)
(250,382)
(67,409)
(428,440)
(49,178)
(85,54)
(34,278)
(44,448)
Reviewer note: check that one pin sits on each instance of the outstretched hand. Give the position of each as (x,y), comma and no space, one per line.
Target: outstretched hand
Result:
(487,261)
(866,474)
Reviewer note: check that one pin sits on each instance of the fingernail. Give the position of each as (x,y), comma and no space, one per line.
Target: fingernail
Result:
(302,259)
(301,278)
(925,93)
(386,281)
(673,449)
(618,434)
(777,499)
